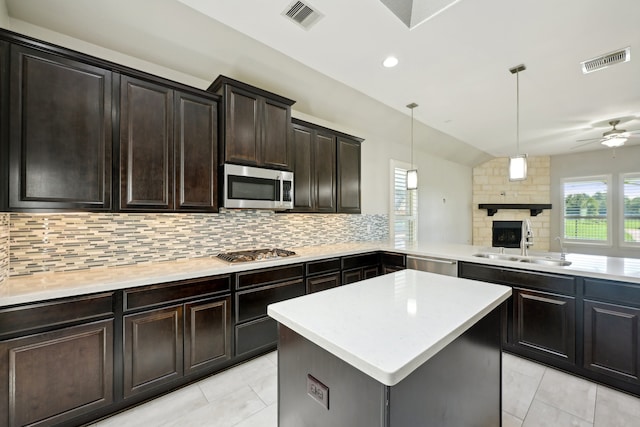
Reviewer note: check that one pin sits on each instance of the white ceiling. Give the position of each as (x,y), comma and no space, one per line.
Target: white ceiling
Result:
(455,66)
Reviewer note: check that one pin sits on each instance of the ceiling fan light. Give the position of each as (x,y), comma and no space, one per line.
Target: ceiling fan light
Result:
(412,179)
(614,142)
(518,168)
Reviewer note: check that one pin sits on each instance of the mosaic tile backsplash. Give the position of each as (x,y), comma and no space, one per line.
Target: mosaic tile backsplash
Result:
(4,247)
(64,242)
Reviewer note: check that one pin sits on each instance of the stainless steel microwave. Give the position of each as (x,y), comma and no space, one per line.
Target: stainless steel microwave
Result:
(247,187)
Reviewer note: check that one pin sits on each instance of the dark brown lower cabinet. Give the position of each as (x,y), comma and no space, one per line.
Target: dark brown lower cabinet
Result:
(207,336)
(152,349)
(545,322)
(156,351)
(325,281)
(360,267)
(611,340)
(55,376)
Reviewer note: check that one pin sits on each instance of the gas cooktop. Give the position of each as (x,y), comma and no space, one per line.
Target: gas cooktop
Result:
(255,255)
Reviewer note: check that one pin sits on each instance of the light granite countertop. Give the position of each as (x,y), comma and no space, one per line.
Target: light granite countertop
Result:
(44,286)
(409,316)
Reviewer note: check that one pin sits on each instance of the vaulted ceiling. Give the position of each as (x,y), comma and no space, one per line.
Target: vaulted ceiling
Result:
(455,65)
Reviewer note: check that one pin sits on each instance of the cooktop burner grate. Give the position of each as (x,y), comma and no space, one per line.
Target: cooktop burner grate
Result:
(255,255)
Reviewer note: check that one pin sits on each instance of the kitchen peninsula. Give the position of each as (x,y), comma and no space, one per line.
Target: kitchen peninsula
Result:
(396,350)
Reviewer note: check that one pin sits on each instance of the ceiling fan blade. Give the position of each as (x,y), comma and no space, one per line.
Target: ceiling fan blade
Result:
(590,141)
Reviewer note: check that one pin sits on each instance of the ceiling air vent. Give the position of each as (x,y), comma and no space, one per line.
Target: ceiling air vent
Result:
(604,61)
(302,14)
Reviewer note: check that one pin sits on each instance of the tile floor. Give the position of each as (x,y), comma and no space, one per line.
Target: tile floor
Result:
(246,396)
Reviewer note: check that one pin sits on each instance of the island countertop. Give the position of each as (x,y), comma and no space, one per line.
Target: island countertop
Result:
(390,325)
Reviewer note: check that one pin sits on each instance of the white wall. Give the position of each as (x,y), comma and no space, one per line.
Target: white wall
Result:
(600,162)
(4,16)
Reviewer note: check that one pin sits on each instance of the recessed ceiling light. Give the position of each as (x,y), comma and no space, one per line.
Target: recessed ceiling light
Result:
(390,61)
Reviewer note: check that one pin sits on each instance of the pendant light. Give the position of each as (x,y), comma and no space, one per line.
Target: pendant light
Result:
(518,163)
(412,174)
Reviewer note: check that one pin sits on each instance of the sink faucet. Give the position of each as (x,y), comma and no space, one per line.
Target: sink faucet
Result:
(527,237)
(563,254)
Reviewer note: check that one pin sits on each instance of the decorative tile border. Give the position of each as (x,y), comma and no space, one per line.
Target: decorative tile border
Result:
(63,242)
(4,247)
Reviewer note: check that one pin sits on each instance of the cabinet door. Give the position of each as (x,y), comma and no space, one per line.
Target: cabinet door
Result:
(325,172)
(196,136)
(545,323)
(611,340)
(348,176)
(51,377)
(242,127)
(207,339)
(369,272)
(350,276)
(152,349)
(303,195)
(320,283)
(274,150)
(60,133)
(146,145)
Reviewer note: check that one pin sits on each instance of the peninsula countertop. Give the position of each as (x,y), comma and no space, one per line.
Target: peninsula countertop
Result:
(44,286)
(390,325)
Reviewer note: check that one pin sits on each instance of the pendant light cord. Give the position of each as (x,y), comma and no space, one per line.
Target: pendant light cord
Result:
(412,138)
(518,112)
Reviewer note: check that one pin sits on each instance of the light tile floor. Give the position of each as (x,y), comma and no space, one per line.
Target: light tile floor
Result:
(246,396)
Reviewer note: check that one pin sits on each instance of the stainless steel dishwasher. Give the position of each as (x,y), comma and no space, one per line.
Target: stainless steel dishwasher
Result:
(448,267)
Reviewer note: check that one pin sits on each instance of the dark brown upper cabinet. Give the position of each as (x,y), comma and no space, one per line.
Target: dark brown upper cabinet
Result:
(256,125)
(60,132)
(349,175)
(314,167)
(168,146)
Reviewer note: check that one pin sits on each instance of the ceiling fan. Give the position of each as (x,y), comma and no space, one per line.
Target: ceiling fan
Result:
(612,138)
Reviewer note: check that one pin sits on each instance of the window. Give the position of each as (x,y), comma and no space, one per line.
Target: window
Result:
(631,208)
(404,206)
(586,210)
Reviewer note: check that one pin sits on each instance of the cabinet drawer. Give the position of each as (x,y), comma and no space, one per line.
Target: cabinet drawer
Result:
(256,335)
(269,275)
(356,261)
(323,266)
(565,285)
(170,292)
(251,304)
(320,283)
(54,313)
(608,290)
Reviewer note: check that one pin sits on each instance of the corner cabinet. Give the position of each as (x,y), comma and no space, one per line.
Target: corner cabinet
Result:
(349,176)
(256,125)
(168,148)
(60,132)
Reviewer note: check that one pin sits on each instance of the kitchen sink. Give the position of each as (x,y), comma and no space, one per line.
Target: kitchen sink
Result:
(526,259)
(498,256)
(546,261)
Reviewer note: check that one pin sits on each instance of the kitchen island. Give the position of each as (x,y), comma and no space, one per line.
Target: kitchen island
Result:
(405,349)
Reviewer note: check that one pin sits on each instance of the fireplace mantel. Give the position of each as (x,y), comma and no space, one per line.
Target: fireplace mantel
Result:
(535,209)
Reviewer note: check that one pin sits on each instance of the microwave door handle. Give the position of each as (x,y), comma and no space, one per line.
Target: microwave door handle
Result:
(281,190)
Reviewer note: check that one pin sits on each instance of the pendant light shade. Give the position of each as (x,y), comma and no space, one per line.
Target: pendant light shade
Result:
(518,163)
(518,168)
(412,175)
